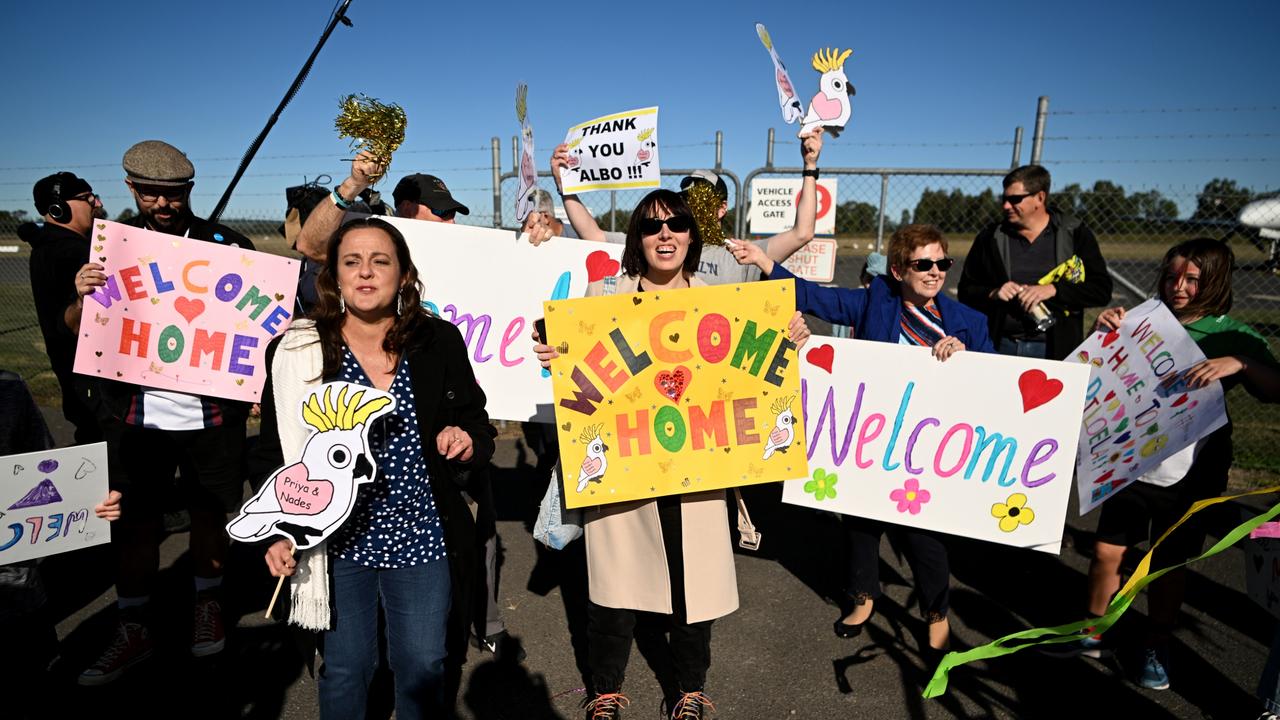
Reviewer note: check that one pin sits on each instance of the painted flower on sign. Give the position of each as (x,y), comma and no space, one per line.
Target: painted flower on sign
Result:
(1013,512)
(910,497)
(823,485)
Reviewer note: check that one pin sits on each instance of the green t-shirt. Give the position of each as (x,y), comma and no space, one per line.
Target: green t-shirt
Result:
(1219,336)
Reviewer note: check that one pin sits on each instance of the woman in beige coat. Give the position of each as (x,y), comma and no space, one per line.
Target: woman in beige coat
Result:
(669,556)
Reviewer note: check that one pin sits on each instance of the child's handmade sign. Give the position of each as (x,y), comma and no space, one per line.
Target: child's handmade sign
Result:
(832,106)
(307,500)
(1138,410)
(491,284)
(659,393)
(613,152)
(980,445)
(47,500)
(182,314)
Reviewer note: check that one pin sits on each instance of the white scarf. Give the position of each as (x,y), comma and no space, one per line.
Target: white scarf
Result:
(295,370)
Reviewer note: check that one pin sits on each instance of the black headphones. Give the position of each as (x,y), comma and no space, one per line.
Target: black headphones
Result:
(58,211)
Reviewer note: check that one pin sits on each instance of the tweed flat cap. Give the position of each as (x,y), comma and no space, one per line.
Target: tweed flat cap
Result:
(155,162)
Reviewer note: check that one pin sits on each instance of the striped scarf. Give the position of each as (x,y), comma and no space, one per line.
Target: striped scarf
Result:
(921,325)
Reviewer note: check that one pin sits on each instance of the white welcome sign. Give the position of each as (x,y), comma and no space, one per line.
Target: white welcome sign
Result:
(981,445)
(491,284)
(47,500)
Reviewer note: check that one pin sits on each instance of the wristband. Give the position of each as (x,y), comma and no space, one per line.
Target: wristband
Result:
(337,200)
(810,173)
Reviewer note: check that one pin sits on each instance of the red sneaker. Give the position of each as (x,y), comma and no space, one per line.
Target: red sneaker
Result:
(207,634)
(131,645)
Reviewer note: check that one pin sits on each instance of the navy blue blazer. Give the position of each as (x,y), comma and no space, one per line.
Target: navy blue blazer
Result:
(876,312)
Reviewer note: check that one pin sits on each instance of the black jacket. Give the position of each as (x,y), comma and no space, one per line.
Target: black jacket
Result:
(986,268)
(446,393)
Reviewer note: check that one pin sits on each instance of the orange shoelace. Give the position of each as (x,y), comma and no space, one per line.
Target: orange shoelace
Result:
(603,706)
(689,705)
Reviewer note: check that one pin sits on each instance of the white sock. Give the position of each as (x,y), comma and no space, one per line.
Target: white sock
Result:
(203,584)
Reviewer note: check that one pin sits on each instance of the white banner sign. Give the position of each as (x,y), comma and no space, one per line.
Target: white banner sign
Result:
(980,446)
(815,262)
(491,284)
(773,206)
(1138,412)
(613,152)
(47,500)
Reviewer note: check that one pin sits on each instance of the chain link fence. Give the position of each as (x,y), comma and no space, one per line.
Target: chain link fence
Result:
(1134,229)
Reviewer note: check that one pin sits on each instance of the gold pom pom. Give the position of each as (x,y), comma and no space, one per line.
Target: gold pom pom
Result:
(374,127)
(705,203)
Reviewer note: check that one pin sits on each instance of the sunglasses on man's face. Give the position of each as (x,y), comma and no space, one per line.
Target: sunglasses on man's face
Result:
(151,193)
(1015,199)
(675,223)
(445,215)
(925,264)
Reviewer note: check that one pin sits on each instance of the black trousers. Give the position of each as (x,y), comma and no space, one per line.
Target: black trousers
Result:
(926,554)
(610,631)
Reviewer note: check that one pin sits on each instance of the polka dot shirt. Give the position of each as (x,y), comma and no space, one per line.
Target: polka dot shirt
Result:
(394,523)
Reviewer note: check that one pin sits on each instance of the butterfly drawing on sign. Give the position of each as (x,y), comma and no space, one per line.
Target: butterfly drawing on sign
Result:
(586,329)
(99,319)
(770,308)
(634,395)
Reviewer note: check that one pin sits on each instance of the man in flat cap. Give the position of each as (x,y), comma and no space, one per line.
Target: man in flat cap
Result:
(58,249)
(157,432)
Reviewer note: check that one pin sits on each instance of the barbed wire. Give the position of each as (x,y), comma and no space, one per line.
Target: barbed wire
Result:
(984,143)
(236,159)
(1112,161)
(1142,111)
(1188,136)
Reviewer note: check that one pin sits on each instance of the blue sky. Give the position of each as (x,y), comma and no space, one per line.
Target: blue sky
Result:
(88,79)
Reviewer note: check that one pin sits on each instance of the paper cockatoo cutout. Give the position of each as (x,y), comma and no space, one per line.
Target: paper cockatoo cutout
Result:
(307,500)
(595,463)
(784,428)
(830,108)
(791,109)
(527,171)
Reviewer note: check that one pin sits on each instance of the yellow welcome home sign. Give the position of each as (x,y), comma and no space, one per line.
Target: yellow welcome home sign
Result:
(659,393)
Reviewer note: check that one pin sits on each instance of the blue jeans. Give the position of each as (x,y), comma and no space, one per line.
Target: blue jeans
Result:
(1269,685)
(415,601)
(1022,348)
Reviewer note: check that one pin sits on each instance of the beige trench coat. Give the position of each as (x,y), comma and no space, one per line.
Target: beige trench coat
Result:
(626,560)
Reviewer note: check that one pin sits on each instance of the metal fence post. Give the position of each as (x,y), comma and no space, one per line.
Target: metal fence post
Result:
(613,211)
(719,149)
(515,155)
(1037,140)
(884,196)
(1017,148)
(768,151)
(497,181)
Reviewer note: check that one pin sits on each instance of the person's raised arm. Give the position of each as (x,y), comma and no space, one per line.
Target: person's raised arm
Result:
(579,216)
(785,244)
(327,215)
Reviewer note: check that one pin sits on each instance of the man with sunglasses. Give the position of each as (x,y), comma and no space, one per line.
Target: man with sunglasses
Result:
(1038,258)
(154,433)
(58,249)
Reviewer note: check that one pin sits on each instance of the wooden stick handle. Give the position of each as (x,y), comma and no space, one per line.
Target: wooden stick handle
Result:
(279,584)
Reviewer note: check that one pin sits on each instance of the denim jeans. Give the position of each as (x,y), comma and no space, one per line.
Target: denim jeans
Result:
(415,601)
(1269,685)
(1022,348)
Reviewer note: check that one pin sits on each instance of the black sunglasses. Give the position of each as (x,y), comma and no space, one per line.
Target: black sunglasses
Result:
(675,223)
(151,193)
(925,264)
(445,215)
(1015,199)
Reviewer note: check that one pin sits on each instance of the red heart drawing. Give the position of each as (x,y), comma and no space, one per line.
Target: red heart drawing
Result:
(189,309)
(1181,399)
(300,496)
(1110,395)
(1037,389)
(672,383)
(1105,476)
(1110,338)
(601,266)
(822,356)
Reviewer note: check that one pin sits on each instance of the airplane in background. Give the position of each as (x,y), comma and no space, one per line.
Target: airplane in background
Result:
(1264,216)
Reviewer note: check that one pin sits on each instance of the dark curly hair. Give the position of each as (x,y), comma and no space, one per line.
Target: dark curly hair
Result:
(633,261)
(329,316)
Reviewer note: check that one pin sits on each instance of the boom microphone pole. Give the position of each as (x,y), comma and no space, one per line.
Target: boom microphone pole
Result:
(338,17)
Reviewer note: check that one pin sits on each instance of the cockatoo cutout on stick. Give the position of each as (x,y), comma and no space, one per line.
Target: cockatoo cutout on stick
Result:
(595,463)
(791,110)
(528,172)
(307,500)
(830,108)
(784,428)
